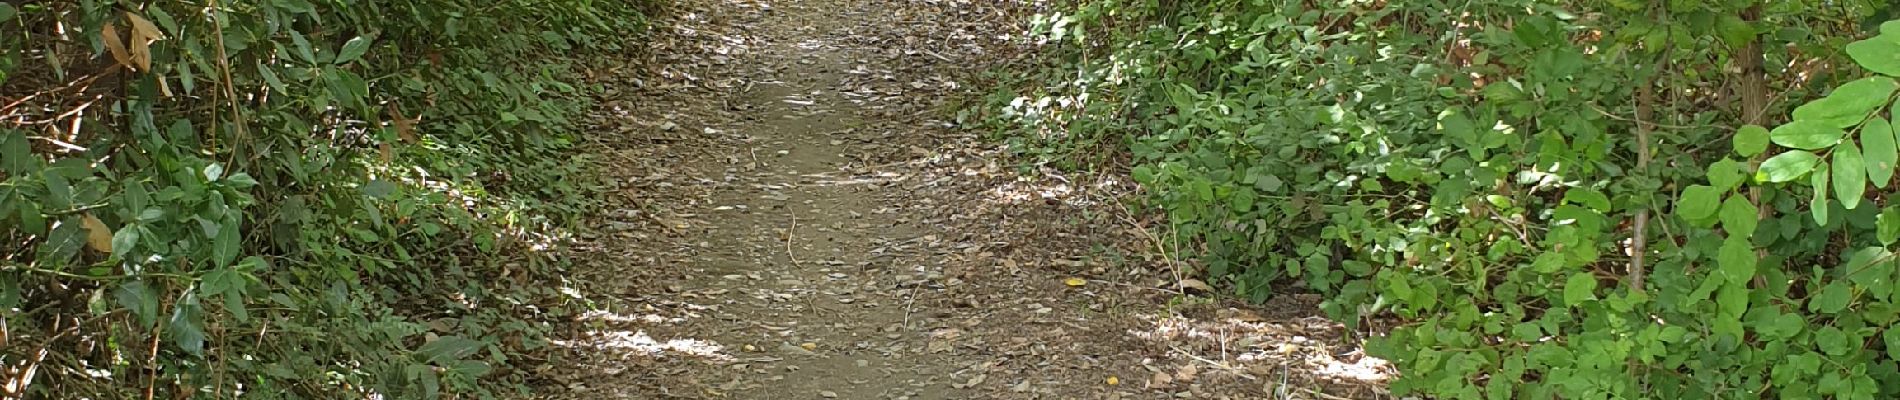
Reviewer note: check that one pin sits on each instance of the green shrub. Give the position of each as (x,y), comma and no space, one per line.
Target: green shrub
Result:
(287,198)
(1478,169)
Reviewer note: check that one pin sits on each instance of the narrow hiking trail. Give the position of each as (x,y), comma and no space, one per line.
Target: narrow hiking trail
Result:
(797,220)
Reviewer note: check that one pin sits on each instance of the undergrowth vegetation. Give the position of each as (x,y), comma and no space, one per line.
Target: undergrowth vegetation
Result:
(1560,199)
(288,198)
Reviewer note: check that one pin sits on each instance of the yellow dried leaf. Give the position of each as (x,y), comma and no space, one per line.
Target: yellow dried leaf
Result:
(110,35)
(143,34)
(1112,381)
(1075,282)
(809,346)
(98,236)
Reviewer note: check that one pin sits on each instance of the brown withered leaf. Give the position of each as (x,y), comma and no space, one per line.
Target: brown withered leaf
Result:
(143,34)
(98,236)
(110,35)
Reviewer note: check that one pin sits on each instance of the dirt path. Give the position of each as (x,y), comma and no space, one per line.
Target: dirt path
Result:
(796,221)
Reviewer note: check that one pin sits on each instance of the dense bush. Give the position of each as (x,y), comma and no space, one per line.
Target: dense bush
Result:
(1563,199)
(285,198)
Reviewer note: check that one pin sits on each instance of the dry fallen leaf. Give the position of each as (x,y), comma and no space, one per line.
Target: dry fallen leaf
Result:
(110,35)
(1075,282)
(143,34)
(1196,285)
(1112,381)
(98,236)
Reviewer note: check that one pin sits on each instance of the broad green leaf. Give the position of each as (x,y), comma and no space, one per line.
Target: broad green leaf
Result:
(187,325)
(303,46)
(139,299)
(1699,202)
(1880,54)
(352,50)
(1739,217)
(377,188)
(1579,288)
(1727,174)
(1892,337)
(448,348)
(1751,140)
(1787,166)
(1848,105)
(1878,148)
(1833,341)
(1850,175)
(124,240)
(1807,135)
(7,12)
(1832,299)
(220,281)
(1734,31)
(1870,267)
(1736,260)
(1587,197)
(16,155)
(226,246)
(470,368)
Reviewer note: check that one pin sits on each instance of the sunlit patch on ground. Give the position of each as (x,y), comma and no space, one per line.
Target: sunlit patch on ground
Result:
(1055,189)
(1304,352)
(640,344)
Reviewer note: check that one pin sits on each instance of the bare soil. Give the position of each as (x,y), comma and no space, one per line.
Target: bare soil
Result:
(796,219)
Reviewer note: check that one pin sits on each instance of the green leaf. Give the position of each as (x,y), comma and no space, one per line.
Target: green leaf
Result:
(303,46)
(352,50)
(1818,206)
(1887,225)
(1892,337)
(448,348)
(1833,341)
(7,12)
(1734,31)
(1870,267)
(1878,148)
(187,327)
(220,281)
(1751,140)
(378,188)
(1787,166)
(1807,135)
(1739,217)
(1579,288)
(139,299)
(1848,105)
(1832,299)
(1587,197)
(124,240)
(213,172)
(1880,54)
(1727,174)
(1736,260)
(226,246)
(1850,175)
(1698,202)
(16,155)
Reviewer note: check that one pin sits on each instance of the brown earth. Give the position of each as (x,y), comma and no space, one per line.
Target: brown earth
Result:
(796,219)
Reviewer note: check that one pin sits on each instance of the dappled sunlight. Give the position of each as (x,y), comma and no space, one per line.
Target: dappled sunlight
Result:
(1243,343)
(638,343)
